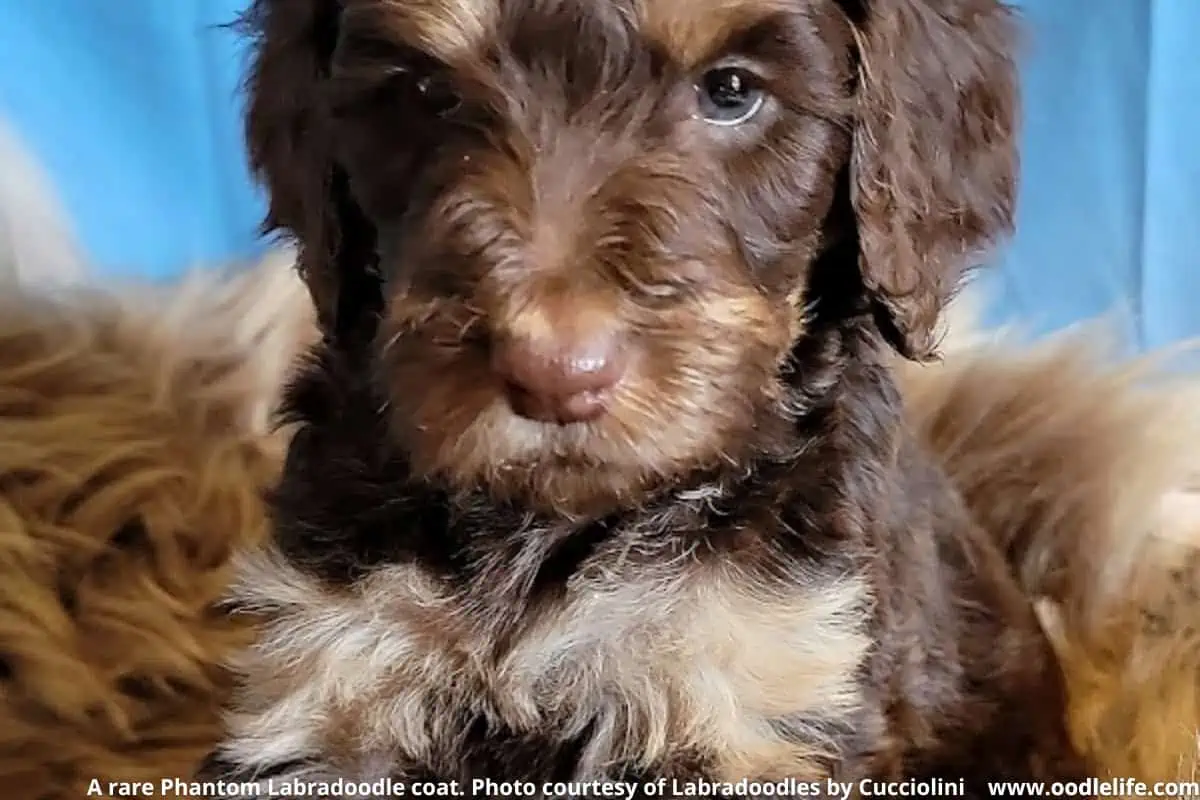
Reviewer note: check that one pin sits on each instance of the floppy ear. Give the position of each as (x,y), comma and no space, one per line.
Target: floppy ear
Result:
(291,151)
(934,162)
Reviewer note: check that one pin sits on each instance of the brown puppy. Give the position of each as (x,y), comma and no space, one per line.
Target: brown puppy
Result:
(601,470)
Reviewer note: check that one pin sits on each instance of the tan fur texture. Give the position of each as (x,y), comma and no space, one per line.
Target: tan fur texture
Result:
(150,403)
(1089,465)
(133,454)
(331,665)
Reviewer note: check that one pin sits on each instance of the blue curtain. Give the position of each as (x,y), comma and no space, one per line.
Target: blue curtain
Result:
(132,107)
(1110,205)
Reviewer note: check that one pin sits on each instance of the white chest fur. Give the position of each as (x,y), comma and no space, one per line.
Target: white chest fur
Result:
(656,664)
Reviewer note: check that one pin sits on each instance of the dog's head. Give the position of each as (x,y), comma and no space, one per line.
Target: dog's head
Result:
(594,222)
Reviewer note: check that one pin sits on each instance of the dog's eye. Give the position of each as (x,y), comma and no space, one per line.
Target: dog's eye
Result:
(437,95)
(729,95)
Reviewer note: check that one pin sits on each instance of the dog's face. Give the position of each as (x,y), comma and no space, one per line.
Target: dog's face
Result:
(595,220)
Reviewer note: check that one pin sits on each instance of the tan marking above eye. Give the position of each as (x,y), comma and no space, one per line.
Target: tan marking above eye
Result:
(692,31)
(448,30)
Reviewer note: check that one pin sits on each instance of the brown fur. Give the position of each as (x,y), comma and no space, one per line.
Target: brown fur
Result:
(352,674)
(747,566)
(1131,655)
(1088,465)
(772,577)
(133,450)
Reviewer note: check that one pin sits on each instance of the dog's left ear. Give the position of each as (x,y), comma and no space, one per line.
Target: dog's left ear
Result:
(934,165)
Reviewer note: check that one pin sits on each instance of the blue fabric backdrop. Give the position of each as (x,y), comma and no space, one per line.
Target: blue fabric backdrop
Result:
(131,105)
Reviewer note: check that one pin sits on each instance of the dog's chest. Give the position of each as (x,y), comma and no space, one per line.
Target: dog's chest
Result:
(614,675)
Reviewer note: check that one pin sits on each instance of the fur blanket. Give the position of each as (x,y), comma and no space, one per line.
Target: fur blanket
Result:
(134,450)
(1093,463)
(135,447)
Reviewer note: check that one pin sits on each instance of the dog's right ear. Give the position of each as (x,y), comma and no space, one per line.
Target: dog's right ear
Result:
(291,151)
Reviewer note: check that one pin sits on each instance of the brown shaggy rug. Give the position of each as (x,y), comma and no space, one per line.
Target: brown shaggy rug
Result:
(1095,461)
(133,454)
(134,448)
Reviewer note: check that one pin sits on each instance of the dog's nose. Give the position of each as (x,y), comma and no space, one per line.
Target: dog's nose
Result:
(560,379)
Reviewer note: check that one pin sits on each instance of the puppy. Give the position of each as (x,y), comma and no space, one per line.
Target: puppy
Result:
(601,471)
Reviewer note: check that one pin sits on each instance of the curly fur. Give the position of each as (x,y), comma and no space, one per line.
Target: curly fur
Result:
(133,454)
(1089,465)
(452,587)
(1127,637)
